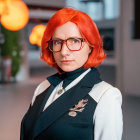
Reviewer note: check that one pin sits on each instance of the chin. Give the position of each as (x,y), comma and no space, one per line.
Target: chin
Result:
(68,69)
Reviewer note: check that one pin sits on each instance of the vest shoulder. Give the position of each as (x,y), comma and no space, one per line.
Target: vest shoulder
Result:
(100,89)
(40,88)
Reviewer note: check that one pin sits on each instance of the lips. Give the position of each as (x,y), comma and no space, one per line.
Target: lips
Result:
(66,61)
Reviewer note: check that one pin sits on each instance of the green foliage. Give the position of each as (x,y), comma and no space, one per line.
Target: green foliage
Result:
(11,48)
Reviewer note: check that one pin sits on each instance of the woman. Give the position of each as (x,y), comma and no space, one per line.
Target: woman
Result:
(77,105)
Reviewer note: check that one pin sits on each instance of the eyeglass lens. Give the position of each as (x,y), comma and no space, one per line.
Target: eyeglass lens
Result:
(73,44)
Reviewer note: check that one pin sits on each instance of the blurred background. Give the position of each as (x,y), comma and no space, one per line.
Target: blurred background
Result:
(22,23)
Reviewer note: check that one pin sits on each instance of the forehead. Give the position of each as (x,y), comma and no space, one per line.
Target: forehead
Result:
(67,30)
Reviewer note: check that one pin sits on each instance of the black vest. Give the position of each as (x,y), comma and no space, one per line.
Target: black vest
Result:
(55,123)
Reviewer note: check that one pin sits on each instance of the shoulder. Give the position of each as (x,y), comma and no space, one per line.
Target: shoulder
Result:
(105,91)
(40,88)
(108,98)
(108,118)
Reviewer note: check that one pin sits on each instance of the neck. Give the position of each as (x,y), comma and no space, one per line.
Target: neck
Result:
(68,77)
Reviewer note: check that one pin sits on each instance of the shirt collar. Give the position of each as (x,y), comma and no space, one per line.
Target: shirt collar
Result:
(70,76)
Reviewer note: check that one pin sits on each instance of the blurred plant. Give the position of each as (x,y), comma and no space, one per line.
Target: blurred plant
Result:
(11,48)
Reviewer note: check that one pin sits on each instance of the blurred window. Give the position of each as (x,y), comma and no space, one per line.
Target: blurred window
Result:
(97,9)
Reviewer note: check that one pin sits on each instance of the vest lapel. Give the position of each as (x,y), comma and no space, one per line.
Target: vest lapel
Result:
(39,102)
(65,102)
(35,110)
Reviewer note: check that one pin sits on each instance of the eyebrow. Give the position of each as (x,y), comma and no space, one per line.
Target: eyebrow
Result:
(57,38)
(66,38)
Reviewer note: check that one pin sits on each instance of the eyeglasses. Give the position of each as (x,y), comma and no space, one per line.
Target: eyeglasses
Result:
(73,44)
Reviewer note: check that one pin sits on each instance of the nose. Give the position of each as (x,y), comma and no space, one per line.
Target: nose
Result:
(65,51)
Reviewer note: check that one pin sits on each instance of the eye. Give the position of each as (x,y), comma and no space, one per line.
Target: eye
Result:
(75,41)
(57,42)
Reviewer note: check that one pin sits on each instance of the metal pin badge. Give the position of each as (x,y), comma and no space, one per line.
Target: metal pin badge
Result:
(61,91)
(72,113)
(78,107)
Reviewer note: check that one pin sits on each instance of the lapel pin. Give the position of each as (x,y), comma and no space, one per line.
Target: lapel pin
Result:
(78,107)
(72,113)
(61,91)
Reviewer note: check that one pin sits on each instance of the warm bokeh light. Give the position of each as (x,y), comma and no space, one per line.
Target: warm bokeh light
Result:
(1,7)
(14,15)
(37,34)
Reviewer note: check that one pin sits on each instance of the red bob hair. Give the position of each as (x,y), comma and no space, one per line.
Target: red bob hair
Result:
(87,28)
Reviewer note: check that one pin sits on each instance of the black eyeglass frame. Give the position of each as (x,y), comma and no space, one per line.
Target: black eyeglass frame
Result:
(50,44)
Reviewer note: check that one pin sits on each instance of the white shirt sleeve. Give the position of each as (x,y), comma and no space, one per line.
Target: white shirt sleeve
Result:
(107,118)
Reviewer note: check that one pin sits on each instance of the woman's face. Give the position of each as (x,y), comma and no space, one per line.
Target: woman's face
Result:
(66,59)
